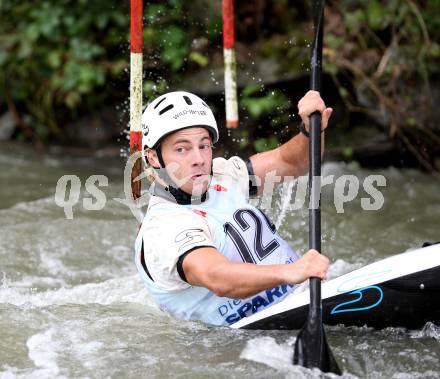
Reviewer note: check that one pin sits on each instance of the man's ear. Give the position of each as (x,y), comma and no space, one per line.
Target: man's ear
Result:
(153,160)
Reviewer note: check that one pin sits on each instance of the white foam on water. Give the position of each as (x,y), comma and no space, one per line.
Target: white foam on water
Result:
(65,341)
(8,373)
(52,162)
(416,375)
(34,205)
(14,373)
(53,254)
(23,209)
(77,343)
(429,330)
(334,168)
(266,350)
(279,356)
(126,289)
(341,267)
(53,266)
(34,281)
(43,351)
(24,212)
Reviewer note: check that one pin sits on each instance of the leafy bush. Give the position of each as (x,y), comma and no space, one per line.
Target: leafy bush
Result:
(61,59)
(268,108)
(54,55)
(387,53)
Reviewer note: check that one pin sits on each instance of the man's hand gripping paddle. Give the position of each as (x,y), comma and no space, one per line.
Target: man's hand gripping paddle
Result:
(311,348)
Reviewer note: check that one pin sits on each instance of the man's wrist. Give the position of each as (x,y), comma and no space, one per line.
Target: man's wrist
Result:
(286,273)
(304,131)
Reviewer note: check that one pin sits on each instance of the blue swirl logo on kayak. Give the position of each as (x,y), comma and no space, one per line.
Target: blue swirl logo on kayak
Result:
(359,285)
(360,292)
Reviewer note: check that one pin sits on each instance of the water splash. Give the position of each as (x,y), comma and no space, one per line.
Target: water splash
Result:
(429,330)
(43,351)
(125,289)
(284,202)
(266,350)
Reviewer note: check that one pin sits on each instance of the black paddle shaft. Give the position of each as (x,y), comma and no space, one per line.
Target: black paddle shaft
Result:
(311,347)
(315,156)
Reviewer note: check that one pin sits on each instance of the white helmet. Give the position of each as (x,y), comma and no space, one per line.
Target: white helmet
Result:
(174,111)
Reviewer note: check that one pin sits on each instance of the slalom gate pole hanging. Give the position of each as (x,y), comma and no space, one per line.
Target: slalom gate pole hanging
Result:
(230,64)
(136,11)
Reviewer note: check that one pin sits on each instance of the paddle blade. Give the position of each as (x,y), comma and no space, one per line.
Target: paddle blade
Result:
(312,350)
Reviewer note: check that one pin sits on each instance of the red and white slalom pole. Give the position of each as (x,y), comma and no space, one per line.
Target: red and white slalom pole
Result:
(136,92)
(230,64)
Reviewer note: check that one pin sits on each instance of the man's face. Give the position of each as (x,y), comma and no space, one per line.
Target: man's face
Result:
(188,155)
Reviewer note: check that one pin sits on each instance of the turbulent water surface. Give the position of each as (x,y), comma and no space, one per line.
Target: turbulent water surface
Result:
(72,305)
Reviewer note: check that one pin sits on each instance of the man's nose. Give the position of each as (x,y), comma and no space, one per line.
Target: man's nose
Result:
(198,158)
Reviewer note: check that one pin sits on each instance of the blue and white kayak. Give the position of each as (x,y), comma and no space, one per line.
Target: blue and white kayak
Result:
(399,291)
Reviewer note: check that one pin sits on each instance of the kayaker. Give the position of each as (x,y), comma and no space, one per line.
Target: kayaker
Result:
(204,252)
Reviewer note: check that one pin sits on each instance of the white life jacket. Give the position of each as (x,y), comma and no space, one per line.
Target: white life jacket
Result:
(226,221)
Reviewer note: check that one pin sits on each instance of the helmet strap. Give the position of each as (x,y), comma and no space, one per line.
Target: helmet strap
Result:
(159,156)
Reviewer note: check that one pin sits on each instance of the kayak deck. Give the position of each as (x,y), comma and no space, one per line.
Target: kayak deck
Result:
(400,291)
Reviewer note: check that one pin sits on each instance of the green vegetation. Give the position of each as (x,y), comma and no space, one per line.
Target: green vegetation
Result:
(62,60)
(387,54)
(56,58)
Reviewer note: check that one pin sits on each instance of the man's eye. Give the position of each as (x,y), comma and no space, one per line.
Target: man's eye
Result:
(180,149)
(205,146)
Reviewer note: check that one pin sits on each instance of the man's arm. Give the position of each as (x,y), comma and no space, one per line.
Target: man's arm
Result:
(292,158)
(208,268)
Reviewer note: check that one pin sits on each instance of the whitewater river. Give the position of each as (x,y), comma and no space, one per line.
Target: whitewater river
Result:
(73,306)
